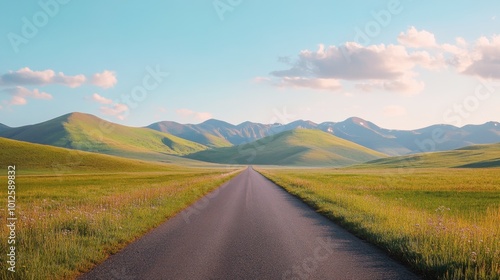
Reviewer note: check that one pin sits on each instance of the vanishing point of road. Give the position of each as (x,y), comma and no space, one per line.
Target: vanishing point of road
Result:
(249,229)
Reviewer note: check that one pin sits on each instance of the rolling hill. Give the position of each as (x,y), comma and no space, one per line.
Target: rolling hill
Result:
(90,133)
(30,157)
(300,147)
(477,156)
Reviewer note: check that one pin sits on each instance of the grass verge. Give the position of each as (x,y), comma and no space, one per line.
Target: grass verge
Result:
(67,223)
(444,223)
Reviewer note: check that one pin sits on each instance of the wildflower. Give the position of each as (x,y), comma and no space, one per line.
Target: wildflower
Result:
(473,256)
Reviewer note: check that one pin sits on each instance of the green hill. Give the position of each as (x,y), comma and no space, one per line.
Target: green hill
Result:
(90,133)
(298,147)
(29,157)
(468,157)
(193,133)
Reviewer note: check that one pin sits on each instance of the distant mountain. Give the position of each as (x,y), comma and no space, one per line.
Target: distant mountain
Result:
(357,130)
(3,127)
(477,156)
(368,134)
(298,147)
(215,133)
(191,133)
(90,133)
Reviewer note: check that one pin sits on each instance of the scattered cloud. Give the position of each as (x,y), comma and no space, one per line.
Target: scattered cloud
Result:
(417,39)
(25,77)
(485,58)
(18,100)
(100,99)
(394,111)
(117,110)
(20,95)
(393,67)
(106,79)
(200,116)
(405,85)
(261,79)
(160,111)
(319,84)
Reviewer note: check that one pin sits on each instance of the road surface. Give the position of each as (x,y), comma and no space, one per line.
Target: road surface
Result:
(249,229)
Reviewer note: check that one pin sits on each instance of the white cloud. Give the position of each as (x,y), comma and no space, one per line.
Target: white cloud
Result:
(26,76)
(417,39)
(20,95)
(485,58)
(394,111)
(203,116)
(388,67)
(18,100)
(117,110)
(106,79)
(200,116)
(100,99)
(319,84)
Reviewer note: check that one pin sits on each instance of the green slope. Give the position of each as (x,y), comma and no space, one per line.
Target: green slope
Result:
(191,133)
(89,133)
(301,147)
(29,157)
(468,157)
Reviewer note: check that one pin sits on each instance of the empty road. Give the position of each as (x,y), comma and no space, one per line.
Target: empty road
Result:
(249,229)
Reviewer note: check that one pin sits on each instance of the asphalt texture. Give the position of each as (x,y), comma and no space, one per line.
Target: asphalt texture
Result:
(249,228)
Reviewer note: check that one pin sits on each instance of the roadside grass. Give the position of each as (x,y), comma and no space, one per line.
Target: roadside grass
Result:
(444,223)
(69,222)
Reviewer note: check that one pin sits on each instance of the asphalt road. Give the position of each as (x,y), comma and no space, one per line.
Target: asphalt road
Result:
(249,229)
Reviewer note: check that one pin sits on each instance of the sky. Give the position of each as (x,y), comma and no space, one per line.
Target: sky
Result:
(400,64)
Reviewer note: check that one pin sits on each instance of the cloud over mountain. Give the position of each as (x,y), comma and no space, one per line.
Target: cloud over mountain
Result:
(389,67)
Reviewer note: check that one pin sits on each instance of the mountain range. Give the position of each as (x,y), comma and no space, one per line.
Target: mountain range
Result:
(299,143)
(215,133)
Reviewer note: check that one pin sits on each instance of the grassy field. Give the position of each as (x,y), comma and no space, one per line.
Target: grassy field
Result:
(476,156)
(444,223)
(92,205)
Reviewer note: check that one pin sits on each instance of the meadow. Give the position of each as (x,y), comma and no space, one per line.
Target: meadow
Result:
(442,222)
(75,208)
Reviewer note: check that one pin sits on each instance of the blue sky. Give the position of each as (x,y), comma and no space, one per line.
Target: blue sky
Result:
(401,64)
